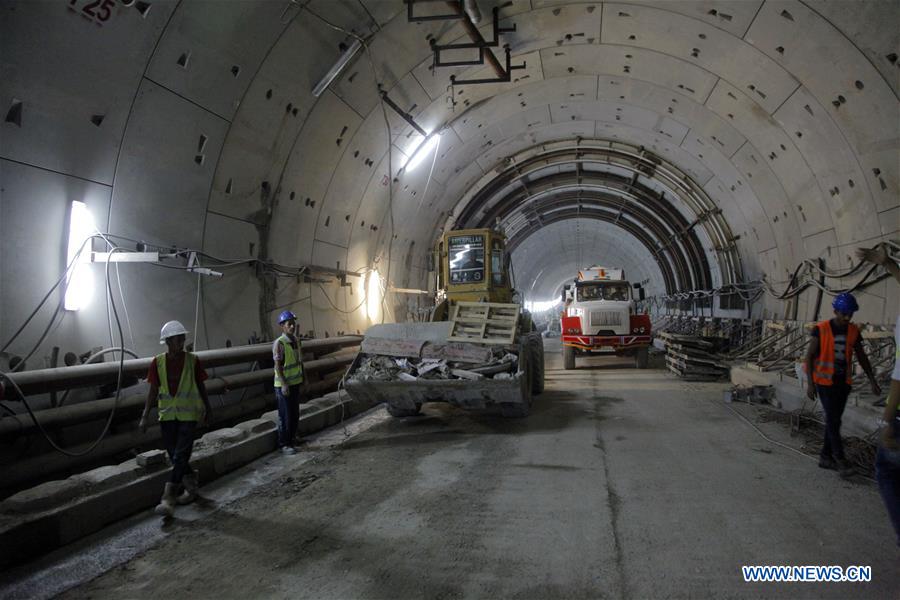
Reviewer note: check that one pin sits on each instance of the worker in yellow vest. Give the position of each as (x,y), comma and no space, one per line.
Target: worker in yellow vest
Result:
(176,387)
(288,357)
(829,367)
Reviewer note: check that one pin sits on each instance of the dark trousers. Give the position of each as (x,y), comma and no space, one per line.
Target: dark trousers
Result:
(834,400)
(178,438)
(288,414)
(887,471)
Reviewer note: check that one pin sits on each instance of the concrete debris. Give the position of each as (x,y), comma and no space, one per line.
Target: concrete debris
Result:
(429,364)
(463,374)
(152,458)
(491,362)
(757,394)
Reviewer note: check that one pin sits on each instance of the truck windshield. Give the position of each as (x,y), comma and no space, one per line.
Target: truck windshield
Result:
(617,292)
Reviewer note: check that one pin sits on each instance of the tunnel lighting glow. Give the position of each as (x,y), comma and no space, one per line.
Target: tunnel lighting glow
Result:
(428,144)
(80,284)
(540,306)
(373,295)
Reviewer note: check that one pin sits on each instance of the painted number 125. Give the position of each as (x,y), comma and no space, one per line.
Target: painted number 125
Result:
(97,9)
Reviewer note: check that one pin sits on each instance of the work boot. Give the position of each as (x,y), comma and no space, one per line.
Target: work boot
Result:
(166,506)
(826,462)
(191,485)
(845,469)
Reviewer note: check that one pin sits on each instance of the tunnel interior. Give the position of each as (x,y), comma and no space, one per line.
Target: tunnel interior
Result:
(702,144)
(219,162)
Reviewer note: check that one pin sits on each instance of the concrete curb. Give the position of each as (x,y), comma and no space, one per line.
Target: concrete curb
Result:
(43,518)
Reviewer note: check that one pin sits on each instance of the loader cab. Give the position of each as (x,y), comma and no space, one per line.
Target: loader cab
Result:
(474,266)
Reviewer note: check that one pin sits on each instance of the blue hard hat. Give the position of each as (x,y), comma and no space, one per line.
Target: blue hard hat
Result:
(845,303)
(286,316)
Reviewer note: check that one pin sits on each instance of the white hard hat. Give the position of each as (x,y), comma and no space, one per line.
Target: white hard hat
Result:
(171,329)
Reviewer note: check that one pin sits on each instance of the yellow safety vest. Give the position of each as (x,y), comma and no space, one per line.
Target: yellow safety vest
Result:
(292,367)
(187,403)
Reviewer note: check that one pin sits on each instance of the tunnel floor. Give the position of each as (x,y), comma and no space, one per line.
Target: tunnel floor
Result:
(622,484)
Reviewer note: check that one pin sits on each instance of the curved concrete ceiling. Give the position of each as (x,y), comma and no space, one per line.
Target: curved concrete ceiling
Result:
(193,125)
(576,243)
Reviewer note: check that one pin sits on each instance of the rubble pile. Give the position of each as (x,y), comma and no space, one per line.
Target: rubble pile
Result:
(757,394)
(448,361)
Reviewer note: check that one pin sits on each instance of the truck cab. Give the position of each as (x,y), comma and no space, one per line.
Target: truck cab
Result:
(600,317)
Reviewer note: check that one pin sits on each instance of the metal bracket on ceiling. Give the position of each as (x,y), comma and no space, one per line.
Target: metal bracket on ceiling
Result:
(403,114)
(497,30)
(424,18)
(505,77)
(485,54)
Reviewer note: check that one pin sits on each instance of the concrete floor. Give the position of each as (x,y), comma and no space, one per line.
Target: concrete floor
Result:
(622,484)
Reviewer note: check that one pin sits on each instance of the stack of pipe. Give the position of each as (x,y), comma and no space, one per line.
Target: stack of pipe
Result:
(323,374)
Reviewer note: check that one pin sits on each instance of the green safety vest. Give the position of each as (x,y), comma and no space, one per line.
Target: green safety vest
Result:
(187,403)
(292,367)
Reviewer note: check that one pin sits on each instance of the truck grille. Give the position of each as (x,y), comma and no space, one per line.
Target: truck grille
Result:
(606,318)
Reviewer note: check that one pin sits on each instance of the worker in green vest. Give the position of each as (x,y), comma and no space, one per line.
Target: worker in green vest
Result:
(287,354)
(176,387)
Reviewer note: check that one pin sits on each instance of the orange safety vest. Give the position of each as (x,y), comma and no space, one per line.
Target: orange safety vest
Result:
(824,365)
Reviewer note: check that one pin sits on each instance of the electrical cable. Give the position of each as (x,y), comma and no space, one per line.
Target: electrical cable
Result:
(347,312)
(125,306)
(751,291)
(46,296)
(91,358)
(390,154)
(777,443)
(292,302)
(112,412)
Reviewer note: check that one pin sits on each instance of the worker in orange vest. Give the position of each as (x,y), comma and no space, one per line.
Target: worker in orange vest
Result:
(829,365)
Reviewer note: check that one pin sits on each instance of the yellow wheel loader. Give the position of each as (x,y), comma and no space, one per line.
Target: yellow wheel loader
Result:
(478,351)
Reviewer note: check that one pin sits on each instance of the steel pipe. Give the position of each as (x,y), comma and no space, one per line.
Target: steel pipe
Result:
(477,38)
(54,418)
(471,8)
(43,467)
(41,381)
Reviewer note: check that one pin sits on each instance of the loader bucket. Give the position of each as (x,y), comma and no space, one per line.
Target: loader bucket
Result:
(426,343)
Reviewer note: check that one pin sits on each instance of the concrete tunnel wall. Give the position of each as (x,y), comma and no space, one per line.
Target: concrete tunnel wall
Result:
(192,124)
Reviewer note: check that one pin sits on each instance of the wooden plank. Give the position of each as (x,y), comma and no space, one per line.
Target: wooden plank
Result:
(484,322)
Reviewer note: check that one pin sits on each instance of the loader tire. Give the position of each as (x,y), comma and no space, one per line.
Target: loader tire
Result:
(518,410)
(396,411)
(537,363)
(568,358)
(641,358)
